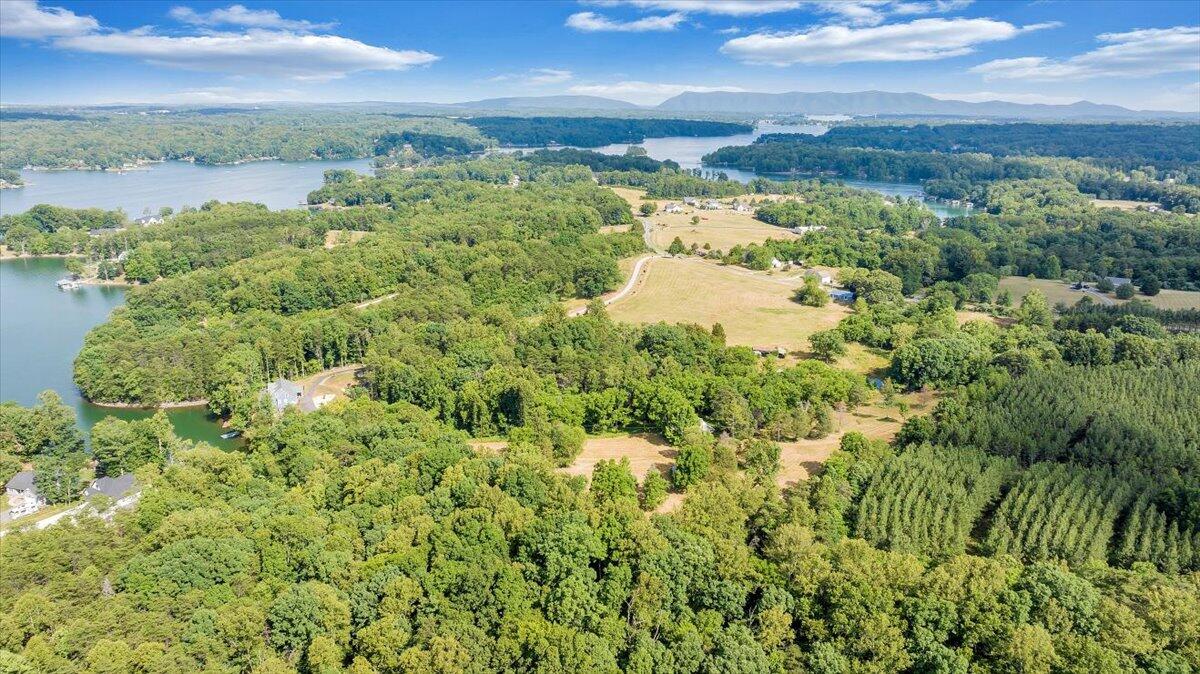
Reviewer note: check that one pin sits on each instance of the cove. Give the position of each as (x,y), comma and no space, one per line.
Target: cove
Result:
(42,330)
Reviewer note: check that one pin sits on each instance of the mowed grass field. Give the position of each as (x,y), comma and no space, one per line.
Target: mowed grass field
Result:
(721,229)
(754,308)
(1060,291)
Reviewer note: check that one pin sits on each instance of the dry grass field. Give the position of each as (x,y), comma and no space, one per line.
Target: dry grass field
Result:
(1120,204)
(1060,291)
(801,459)
(721,229)
(755,308)
(338,237)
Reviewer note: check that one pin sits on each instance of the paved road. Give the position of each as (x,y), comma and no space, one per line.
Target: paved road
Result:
(76,511)
(308,401)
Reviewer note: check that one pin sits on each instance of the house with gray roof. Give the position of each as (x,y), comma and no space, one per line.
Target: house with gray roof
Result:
(112,487)
(23,496)
(284,393)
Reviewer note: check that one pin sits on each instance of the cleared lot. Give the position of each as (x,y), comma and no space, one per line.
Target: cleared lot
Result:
(755,308)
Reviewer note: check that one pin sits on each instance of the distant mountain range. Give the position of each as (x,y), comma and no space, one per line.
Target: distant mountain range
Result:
(549,102)
(859,103)
(889,103)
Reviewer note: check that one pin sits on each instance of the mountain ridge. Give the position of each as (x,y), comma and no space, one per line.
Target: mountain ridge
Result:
(890,103)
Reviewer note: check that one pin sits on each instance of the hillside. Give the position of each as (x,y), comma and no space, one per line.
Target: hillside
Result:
(888,103)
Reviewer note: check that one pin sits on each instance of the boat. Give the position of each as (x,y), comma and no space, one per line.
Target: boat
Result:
(69,284)
(230,435)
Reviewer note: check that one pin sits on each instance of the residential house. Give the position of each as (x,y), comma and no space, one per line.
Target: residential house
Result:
(148,220)
(741,207)
(711,205)
(112,487)
(23,496)
(690,201)
(672,208)
(838,295)
(284,393)
(824,277)
(1119,281)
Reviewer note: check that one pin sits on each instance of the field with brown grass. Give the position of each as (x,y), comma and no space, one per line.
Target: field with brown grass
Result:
(755,308)
(1060,291)
(721,229)
(339,237)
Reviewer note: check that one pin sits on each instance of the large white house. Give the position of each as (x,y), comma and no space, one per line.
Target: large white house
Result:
(284,393)
(23,496)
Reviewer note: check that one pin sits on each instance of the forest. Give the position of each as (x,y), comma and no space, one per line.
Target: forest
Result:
(963,176)
(595,131)
(113,141)
(1169,148)
(1042,515)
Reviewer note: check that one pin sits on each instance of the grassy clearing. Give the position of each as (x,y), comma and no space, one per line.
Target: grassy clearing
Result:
(801,459)
(1060,291)
(340,237)
(755,308)
(1121,204)
(722,229)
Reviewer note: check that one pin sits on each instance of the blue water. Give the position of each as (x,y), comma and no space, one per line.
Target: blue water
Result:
(277,184)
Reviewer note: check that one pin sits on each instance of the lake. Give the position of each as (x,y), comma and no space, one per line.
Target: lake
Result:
(41,331)
(687,151)
(277,184)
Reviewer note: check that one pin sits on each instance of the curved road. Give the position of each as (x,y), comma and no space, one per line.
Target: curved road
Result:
(647,234)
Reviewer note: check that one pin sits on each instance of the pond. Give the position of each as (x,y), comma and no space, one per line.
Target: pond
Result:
(41,331)
(277,184)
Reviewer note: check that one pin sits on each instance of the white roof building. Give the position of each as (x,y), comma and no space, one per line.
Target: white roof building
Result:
(284,393)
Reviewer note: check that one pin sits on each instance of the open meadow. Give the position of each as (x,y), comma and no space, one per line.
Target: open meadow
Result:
(722,229)
(1060,291)
(755,308)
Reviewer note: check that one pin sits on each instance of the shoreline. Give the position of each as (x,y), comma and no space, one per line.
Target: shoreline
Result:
(160,406)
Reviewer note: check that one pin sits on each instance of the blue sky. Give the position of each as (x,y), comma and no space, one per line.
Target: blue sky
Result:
(1144,55)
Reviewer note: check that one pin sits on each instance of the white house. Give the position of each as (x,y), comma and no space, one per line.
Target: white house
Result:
(742,207)
(824,277)
(148,220)
(690,201)
(711,205)
(672,208)
(284,393)
(23,496)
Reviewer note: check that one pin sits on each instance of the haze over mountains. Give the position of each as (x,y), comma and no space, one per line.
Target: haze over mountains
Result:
(826,103)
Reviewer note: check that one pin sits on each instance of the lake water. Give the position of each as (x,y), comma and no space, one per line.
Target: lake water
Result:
(41,331)
(687,151)
(277,184)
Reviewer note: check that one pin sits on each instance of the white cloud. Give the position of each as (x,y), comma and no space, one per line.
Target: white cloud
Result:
(590,22)
(732,30)
(1136,53)
(986,96)
(25,19)
(239,15)
(536,77)
(854,12)
(643,92)
(919,40)
(256,52)
(722,7)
